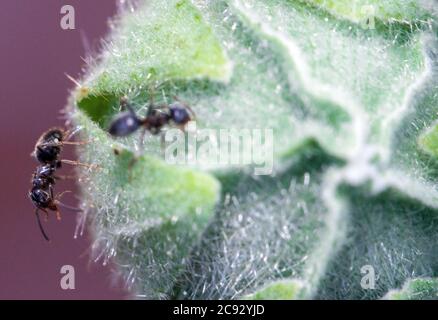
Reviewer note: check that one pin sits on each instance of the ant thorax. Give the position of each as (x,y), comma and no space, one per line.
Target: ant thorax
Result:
(155,120)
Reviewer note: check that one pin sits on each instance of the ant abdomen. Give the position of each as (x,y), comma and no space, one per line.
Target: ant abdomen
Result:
(40,198)
(124,124)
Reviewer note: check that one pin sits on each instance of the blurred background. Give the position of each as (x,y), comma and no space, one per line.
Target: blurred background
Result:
(35,54)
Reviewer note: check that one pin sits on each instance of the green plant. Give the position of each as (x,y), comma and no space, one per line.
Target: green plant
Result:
(353,111)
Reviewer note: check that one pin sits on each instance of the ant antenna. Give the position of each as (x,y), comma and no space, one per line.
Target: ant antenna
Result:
(71,132)
(41,226)
(164,96)
(150,104)
(124,104)
(73,143)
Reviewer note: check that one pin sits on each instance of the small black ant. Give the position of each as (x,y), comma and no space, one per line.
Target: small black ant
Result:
(158,116)
(47,151)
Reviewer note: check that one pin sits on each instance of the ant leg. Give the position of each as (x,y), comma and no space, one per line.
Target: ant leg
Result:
(164,96)
(51,191)
(64,177)
(141,149)
(141,142)
(131,163)
(151,98)
(59,195)
(46,214)
(152,107)
(59,203)
(68,207)
(77,163)
(56,201)
(57,144)
(124,104)
(162,144)
(58,215)
(56,209)
(40,225)
(77,143)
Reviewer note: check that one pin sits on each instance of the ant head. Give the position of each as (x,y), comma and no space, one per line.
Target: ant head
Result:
(59,135)
(124,103)
(179,113)
(53,135)
(124,124)
(124,100)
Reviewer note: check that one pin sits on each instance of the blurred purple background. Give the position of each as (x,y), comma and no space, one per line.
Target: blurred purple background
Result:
(35,54)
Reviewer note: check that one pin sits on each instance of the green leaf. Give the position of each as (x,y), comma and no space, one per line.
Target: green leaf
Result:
(416,289)
(352,110)
(280,290)
(274,231)
(366,73)
(407,12)
(148,213)
(428,140)
(161,40)
(394,235)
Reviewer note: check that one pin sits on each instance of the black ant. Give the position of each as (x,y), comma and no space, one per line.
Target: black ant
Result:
(47,151)
(158,116)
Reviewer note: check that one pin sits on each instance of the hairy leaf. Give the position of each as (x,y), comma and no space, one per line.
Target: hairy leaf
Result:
(349,90)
